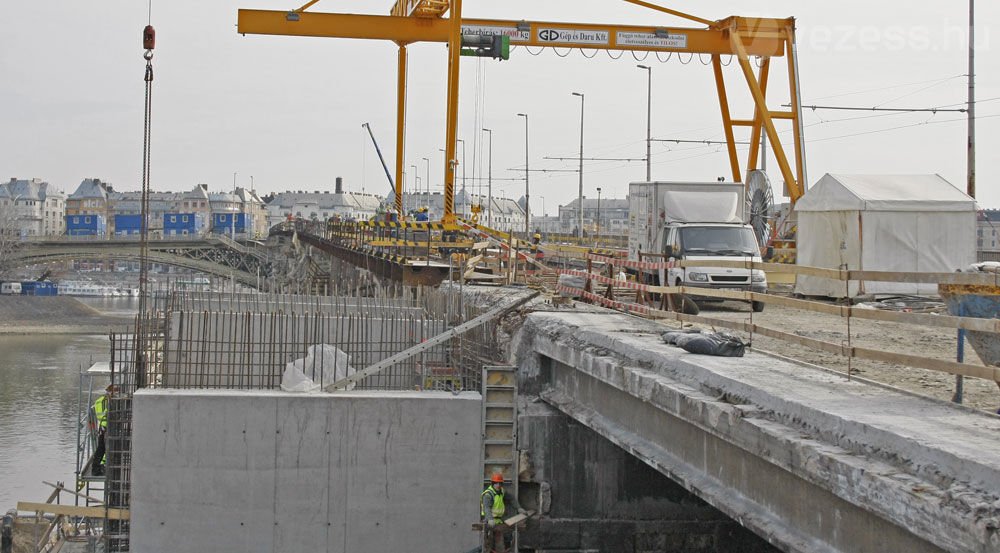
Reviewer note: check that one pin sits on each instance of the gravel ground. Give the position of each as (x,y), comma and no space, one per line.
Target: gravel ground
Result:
(929,342)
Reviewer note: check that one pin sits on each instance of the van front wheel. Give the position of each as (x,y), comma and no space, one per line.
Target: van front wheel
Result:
(757,306)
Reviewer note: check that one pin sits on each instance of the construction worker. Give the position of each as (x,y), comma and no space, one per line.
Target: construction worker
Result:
(422,214)
(491,512)
(7,532)
(101,416)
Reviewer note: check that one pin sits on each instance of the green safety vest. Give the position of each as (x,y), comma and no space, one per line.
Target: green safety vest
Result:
(498,508)
(101,411)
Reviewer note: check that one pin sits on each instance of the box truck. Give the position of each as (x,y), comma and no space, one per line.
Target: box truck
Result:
(684,221)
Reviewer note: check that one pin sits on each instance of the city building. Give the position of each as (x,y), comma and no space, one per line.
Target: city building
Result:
(505,214)
(37,208)
(613,214)
(89,198)
(988,230)
(256,214)
(322,205)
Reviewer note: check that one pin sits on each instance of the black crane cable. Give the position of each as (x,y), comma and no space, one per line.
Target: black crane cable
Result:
(141,331)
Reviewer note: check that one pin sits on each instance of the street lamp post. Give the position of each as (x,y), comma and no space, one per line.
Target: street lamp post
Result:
(545,221)
(416,183)
(527,201)
(579,213)
(597,240)
(489,188)
(649,121)
(465,194)
(427,182)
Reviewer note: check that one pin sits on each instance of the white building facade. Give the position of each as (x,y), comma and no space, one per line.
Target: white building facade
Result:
(36,206)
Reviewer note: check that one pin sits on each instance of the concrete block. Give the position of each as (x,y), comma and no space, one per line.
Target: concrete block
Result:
(276,472)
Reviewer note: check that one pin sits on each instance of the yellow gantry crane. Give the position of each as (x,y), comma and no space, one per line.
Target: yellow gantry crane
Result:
(424,21)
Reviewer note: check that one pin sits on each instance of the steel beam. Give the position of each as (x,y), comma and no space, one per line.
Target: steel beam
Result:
(762,37)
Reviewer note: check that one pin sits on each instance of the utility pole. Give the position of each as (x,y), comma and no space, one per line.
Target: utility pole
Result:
(971,169)
(597,242)
(527,203)
(649,121)
(427,184)
(972,99)
(465,194)
(489,187)
(579,212)
(416,187)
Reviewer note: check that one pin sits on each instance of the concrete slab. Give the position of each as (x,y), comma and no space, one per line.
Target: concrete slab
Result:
(272,471)
(923,468)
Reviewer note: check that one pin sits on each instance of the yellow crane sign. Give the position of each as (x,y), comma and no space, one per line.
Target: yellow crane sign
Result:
(423,21)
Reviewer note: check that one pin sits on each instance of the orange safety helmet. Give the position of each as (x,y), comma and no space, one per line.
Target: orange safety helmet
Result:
(497,478)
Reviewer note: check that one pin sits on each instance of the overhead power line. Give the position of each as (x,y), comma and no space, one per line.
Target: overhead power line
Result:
(547,170)
(680,141)
(596,158)
(895,110)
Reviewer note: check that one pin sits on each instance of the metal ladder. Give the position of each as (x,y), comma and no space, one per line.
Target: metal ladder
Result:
(500,425)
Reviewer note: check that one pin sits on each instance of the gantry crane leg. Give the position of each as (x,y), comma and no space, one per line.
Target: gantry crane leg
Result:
(454,51)
(727,118)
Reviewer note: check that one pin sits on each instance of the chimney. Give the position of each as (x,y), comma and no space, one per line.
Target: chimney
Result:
(340,185)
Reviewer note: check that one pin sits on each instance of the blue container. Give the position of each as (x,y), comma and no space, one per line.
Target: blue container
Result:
(35,288)
(128,225)
(231,223)
(86,225)
(183,224)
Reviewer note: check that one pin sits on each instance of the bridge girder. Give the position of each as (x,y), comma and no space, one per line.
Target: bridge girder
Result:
(210,257)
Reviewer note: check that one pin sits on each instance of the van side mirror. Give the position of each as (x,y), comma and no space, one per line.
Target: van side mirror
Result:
(669,252)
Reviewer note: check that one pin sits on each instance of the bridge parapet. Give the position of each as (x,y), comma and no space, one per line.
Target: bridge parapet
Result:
(801,456)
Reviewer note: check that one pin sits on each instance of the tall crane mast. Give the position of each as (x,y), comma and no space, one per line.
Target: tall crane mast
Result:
(423,21)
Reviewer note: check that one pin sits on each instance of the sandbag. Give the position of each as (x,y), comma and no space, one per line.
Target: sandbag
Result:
(719,344)
(675,337)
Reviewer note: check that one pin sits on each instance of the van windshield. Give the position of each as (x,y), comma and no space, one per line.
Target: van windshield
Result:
(721,241)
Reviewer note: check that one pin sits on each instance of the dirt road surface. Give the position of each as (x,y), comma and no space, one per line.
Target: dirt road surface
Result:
(936,343)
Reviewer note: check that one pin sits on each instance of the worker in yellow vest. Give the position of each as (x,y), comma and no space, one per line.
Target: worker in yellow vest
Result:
(491,512)
(101,416)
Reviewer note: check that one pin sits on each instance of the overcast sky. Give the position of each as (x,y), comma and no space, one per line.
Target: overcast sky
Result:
(288,111)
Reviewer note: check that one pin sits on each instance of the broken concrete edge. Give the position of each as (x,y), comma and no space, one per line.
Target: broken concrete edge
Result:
(931,461)
(863,481)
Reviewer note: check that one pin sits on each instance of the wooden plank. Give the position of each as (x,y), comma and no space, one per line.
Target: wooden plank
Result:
(62,488)
(73,511)
(952,367)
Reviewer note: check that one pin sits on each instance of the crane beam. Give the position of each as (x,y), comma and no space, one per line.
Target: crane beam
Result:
(760,37)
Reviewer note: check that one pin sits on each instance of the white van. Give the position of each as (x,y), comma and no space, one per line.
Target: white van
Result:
(10,289)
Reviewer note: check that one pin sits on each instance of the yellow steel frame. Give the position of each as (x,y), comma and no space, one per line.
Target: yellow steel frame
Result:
(423,21)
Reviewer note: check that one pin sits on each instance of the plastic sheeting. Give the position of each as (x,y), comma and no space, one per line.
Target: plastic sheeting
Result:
(897,223)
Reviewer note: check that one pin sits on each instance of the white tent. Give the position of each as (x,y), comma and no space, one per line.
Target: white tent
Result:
(904,223)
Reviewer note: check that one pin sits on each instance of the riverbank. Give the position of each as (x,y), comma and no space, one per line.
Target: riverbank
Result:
(31,315)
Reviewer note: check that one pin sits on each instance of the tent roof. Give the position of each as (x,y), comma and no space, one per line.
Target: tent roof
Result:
(884,193)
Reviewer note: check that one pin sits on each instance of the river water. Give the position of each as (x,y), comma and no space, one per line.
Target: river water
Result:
(39,406)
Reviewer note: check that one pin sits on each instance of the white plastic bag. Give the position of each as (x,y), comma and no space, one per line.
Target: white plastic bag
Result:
(324,362)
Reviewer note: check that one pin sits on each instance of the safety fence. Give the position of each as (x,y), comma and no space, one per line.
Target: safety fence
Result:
(645,304)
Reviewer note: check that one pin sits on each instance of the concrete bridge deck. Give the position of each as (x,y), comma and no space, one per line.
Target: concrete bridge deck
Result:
(801,456)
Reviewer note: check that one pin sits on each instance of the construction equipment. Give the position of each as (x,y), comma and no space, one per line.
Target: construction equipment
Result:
(423,21)
(388,175)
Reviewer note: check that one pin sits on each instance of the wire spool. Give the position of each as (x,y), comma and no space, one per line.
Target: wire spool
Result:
(760,203)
